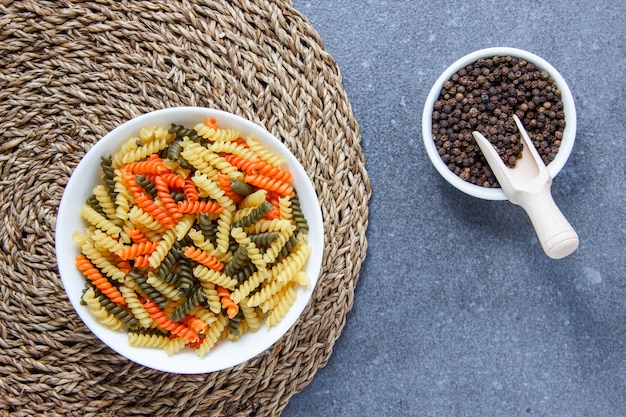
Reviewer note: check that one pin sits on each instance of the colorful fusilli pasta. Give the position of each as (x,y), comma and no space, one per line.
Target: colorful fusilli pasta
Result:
(194,235)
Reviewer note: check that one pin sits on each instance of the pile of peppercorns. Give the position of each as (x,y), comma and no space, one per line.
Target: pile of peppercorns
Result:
(483,97)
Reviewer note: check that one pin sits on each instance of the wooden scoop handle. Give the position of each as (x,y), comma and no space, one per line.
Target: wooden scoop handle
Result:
(557,237)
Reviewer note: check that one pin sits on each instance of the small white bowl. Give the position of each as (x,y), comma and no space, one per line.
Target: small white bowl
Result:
(569,133)
(87,174)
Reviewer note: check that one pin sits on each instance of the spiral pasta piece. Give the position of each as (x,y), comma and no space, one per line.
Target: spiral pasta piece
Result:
(212,336)
(211,122)
(150,133)
(287,268)
(208,317)
(100,281)
(206,225)
(244,164)
(173,153)
(253,252)
(190,191)
(266,169)
(140,217)
(253,215)
(108,175)
(205,274)
(298,216)
(175,345)
(182,132)
(204,258)
(178,329)
(212,299)
(249,285)
(196,207)
(302,278)
(136,249)
(167,290)
(148,340)
(194,299)
(263,153)
(284,205)
(251,315)
(153,165)
(163,191)
(137,236)
(276,246)
(186,279)
(162,248)
(99,259)
(254,199)
(269,184)
(213,190)
(105,200)
(195,154)
(145,151)
(236,328)
(130,145)
(233,148)
(282,302)
(241,188)
(195,323)
(224,182)
(135,306)
(101,313)
(227,303)
(123,198)
(99,221)
(216,134)
(183,226)
(223,231)
(263,225)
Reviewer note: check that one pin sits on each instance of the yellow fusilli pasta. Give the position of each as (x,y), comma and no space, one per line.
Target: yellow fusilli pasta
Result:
(205,274)
(279,305)
(212,336)
(215,135)
(101,314)
(263,153)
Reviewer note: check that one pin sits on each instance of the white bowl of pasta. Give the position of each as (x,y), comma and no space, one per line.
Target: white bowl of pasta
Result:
(189,240)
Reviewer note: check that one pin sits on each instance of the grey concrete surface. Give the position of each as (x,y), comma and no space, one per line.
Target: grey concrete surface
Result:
(457,311)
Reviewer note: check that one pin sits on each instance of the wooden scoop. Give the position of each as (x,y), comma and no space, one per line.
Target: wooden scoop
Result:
(528,186)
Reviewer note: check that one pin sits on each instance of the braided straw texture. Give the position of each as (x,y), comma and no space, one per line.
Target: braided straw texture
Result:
(70,72)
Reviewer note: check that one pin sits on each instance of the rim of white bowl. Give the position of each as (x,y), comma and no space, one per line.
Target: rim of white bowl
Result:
(569,108)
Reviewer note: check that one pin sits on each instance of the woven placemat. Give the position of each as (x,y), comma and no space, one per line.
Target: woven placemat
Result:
(70,72)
